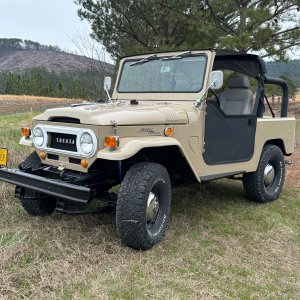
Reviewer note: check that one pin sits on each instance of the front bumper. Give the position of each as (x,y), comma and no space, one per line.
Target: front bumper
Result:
(53,187)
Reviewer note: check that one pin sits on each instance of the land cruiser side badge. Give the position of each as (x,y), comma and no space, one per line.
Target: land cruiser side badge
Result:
(149,131)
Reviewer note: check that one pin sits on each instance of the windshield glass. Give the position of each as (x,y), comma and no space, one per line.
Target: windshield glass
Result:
(185,74)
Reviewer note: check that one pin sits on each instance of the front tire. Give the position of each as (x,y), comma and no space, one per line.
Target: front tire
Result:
(265,184)
(143,206)
(37,204)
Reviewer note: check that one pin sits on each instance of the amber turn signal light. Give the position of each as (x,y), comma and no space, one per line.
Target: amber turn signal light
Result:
(42,155)
(168,131)
(26,132)
(84,163)
(111,141)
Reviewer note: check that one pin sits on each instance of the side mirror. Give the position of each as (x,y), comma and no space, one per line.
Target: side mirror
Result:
(215,80)
(107,83)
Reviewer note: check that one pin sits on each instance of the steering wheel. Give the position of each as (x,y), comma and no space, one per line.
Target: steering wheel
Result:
(217,98)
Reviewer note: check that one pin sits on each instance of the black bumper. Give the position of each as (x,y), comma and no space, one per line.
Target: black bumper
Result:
(53,187)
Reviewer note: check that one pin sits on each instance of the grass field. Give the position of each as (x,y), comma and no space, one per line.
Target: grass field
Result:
(217,246)
(11,104)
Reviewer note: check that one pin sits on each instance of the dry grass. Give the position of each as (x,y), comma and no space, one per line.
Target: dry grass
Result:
(218,246)
(11,104)
(36,98)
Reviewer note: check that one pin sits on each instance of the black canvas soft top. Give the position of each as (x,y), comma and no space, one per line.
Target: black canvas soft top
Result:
(249,64)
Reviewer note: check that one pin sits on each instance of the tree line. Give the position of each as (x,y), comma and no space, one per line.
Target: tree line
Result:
(290,69)
(9,44)
(89,84)
(40,82)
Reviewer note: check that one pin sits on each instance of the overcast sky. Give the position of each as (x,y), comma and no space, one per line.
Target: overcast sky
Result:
(52,22)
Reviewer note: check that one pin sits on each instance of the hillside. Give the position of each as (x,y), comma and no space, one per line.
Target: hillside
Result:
(30,68)
(18,55)
(51,60)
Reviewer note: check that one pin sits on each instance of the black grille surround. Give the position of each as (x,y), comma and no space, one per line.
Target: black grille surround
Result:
(73,160)
(62,141)
(53,156)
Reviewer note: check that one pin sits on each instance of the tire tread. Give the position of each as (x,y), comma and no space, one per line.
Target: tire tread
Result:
(253,182)
(131,204)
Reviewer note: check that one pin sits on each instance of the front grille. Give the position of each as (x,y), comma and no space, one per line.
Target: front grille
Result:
(62,141)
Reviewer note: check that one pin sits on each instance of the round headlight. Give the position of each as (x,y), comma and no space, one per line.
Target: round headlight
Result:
(86,143)
(38,137)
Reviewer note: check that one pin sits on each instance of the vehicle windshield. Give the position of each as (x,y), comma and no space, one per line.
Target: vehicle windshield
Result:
(163,75)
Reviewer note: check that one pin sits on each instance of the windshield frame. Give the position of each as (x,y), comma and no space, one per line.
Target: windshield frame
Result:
(166,55)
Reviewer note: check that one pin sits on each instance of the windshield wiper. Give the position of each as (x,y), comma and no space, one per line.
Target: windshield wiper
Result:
(177,56)
(143,60)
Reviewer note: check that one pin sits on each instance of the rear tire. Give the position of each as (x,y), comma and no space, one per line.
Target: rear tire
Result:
(37,204)
(143,205)
(265,184)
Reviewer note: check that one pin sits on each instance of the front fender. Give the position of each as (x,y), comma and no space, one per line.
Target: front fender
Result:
(26,141)
(130,146)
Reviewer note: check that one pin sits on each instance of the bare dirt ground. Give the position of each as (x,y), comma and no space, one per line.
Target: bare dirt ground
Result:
(293,171)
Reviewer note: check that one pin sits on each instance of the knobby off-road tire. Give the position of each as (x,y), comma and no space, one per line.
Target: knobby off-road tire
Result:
(265,184)
(143,205)
(35,203)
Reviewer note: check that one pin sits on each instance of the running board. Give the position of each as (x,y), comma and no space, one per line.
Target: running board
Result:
(222,175)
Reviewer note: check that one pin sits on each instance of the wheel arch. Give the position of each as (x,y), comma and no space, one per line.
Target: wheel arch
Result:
(171,157)
(279,143)
(166,151)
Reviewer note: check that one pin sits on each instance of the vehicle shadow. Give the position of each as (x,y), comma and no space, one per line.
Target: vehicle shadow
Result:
(217,195)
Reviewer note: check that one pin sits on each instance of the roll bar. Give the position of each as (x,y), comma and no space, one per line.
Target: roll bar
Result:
(285,93)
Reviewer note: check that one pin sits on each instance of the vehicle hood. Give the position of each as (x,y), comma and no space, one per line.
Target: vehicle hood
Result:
(122,114)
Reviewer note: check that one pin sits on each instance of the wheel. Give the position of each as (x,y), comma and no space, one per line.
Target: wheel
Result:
(37,204)
(265,184)
(143,205)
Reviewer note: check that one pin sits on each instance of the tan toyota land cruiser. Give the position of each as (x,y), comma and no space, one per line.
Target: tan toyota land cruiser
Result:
(170,120)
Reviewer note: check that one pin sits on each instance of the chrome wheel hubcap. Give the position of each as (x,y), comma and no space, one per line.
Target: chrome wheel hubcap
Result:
(269,175)
(152,207)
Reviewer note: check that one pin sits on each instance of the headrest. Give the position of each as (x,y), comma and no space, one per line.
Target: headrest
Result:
(241,82)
